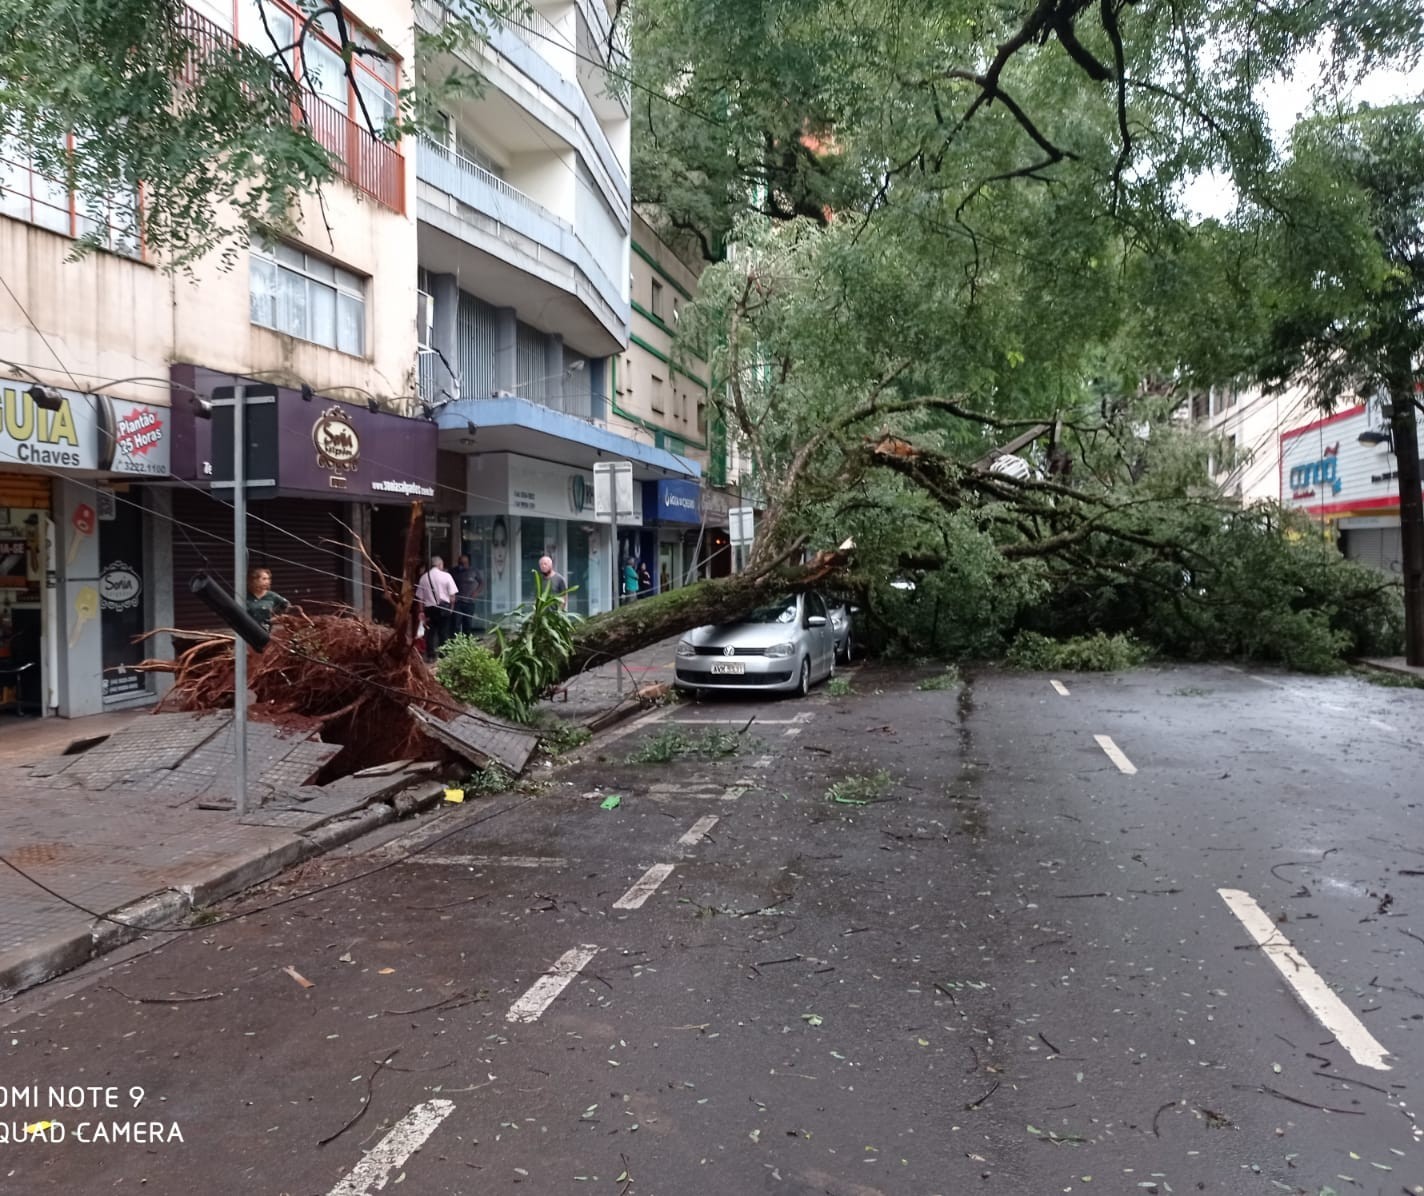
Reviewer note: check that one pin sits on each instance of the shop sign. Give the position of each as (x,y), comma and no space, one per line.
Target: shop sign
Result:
(89,431)
(338,447)
(1326,471)
(539,489)
(679,501)
(120,587)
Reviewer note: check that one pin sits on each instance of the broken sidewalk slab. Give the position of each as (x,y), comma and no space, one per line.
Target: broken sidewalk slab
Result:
(481,738)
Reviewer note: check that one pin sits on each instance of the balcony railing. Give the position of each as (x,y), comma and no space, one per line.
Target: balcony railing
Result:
(369,164)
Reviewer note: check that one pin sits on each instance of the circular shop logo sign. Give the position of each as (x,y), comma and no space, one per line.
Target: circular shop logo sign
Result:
(338,447)
(120,586)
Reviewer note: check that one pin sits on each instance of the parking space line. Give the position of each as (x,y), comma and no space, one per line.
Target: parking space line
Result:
(636,725)
(732,792)
(791,732)
(543,992)
(1315,994)
(644,887)
(698,831)
(1115,754)
(763,761)
(490,861)
(741,722)
(1266,681)
(390,1154)
(1060,687)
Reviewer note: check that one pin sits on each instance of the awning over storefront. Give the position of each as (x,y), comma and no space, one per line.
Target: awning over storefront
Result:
(306,447)
(519,425)
(675,501)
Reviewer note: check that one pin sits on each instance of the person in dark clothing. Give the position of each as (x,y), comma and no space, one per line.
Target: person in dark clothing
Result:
(645,579)
(263,602)
(469,585)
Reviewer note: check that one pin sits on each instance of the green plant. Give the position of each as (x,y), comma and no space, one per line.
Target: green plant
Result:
(945,680)
(669,743)
(1389,680)
(860,789)
(1096,653)
(839,687)
(559,735)
(489,780)
(476,676)
(534,656)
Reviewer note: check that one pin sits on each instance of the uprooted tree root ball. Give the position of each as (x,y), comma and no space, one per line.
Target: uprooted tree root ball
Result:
(349,679)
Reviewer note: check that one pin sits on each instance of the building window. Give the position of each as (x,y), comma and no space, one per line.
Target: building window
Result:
(307,297)
(656,302)
(702,417)
(657,394)
(111,222)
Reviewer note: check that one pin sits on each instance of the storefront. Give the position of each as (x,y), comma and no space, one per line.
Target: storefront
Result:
(80,547)
(1341,471)
(521,508)
(676,514)
(322,474)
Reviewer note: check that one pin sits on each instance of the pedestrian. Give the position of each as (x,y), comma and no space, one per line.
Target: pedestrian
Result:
(645,579)
(630,579)
(262,600)
(556,582)
(436,591)
(664,579)
(469,585)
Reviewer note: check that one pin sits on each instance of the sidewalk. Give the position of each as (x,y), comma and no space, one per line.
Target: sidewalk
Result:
(593,698)
(114,832)
(1395,664)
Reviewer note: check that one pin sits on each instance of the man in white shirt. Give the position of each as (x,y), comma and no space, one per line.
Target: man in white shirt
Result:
(436,591)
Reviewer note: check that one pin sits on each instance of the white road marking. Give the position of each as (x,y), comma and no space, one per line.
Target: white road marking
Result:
(1266,681)
(732,792)
(644,887)
(791,732)
(530,1007)
(685,789)
(636,725)
(490,861)
(390,1154)
(1316,995)
(1381,724)
(763,761)
(741,722)
(1115,754)
(698,830)
(1060,687)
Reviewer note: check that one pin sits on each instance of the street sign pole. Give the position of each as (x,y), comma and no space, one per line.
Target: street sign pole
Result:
(609,477)
(239,589)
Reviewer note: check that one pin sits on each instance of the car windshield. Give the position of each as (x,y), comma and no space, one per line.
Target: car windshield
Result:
(783,611)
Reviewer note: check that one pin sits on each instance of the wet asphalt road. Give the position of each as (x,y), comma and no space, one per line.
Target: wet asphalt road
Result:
(1011,972)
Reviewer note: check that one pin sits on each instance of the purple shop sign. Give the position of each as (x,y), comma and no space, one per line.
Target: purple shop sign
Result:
(323,448)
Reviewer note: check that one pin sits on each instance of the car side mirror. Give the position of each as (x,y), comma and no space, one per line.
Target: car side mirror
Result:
(815,620)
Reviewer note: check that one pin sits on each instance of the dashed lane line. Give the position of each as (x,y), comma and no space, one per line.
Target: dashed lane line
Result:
(1115,754)
(1267,681)
(1315,994)
(390,1154)
(1060,687)
(733,792)
(636,725)
(490,861)
(644,887)
(544,991)
(763,761)
(698,831)
(791,732)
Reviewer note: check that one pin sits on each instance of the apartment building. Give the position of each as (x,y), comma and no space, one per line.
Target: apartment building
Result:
(523,212)
(1248,422)
(110,492)
(662,393)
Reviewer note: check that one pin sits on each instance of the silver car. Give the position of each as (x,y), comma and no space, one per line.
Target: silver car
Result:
(785,646)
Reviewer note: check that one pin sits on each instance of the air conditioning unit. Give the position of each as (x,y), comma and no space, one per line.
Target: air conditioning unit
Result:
(425,318)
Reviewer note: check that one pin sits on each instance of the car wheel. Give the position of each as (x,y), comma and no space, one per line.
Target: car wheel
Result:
(848,652)
(803,687)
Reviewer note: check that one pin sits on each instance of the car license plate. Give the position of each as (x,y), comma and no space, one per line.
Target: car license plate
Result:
(727,667)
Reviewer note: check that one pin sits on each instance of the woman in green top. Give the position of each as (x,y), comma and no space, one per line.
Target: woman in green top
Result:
(262,600)
(630,577)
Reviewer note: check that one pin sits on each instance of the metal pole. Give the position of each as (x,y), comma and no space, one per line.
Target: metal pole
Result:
(613,563)
(239,589)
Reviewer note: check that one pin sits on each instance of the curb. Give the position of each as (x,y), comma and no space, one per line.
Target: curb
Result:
(1394,670)
(63,951)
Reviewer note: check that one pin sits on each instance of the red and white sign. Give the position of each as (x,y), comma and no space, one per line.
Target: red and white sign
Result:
(1326,471)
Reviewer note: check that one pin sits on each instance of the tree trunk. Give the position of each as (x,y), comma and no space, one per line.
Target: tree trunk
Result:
(649,620)
(1404,430)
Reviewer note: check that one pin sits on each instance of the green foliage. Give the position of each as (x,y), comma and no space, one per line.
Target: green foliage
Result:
(476,676)
(1096,653)
(839,687)
(948,679)
(559,735)
(533,656)
(1389,680)
(488,781)
(670,743)
(860,789)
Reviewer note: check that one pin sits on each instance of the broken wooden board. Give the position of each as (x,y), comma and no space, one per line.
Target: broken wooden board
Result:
(481,738)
